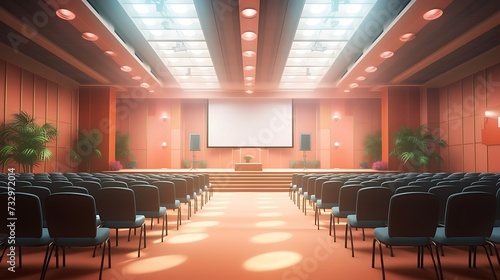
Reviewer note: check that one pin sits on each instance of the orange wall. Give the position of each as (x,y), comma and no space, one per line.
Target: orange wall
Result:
(141,118)
(45,100)
(462,106)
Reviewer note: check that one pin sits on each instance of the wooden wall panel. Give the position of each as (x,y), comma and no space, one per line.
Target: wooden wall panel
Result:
(27,94)
(493,158)
(3,83)
(469,159)
(13,91)
(493,85)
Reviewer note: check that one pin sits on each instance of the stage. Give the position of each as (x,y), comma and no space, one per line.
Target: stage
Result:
(264,170)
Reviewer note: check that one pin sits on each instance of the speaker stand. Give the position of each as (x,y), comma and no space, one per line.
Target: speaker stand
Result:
(192,164)
(305,162)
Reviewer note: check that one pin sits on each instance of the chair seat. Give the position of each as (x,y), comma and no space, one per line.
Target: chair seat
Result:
(175,205)
(98,221)
(184,200)
(341,214)
(102,235)
(31,241)
(154,214)
(300,190)
(382,234)
(353,222)
(139,220)
(313,198)
(441,238)
(495,235)
(322,205)
(306,195)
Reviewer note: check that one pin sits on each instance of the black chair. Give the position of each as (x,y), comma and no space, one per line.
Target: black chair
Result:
(329,198)
(71,222)
(469,220)
(29,230)
(412,221)
(346,207)
(147,202)
(117,210)
(372,209)
(167,198)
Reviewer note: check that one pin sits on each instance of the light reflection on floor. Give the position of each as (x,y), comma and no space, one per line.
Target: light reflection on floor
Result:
(272,261)
(271,237)
(155,264)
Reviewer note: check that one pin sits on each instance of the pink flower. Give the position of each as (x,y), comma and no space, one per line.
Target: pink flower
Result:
(115,165)
(380,165)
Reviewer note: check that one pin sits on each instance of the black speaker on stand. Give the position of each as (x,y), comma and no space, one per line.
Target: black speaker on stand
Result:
(305,145)
(194,145)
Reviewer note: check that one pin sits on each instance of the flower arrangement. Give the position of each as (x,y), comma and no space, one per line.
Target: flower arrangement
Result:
(380,165)
(248,157)
(115,165)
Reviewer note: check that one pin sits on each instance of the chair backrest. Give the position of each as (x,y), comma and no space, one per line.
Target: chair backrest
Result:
(189,185)
(372,203)
(470,214)
(55,185)
(371,183)
(166,190)
(413,214)
(180,187)
(116,204)
(443,192)
(92,187)
(73,189)
(330,191)
(482,188)
(393,185)
(134,183)
(425,184)
(347,197)
(28,212)
(318,185)
(114,184)
(311,185)
(71,215)
(147,198)
(41,192)
(404,189)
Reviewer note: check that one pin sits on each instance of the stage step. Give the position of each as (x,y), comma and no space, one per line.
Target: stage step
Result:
(249,181)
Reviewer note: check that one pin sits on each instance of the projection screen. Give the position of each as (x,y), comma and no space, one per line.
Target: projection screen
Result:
(241,123)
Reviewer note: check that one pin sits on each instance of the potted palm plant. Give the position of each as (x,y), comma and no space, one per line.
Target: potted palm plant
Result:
(87,146)
(248,157)
(24,142)
(417,147)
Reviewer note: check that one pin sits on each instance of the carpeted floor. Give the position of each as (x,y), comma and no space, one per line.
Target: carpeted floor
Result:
(249,236)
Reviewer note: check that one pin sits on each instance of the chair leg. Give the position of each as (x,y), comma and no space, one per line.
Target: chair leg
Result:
(20,257)
(489,260)
(330,228)
(433,261)
(140,239)
(102,260)
(439,261)
(46,260)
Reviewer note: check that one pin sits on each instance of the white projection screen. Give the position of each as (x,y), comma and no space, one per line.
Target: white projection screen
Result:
(241,123)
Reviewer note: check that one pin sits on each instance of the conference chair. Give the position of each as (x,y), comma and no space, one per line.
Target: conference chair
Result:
(404,189)
(468,227)
(166,190)
(147,201)
(181,193)
(412,221)
(329,198)
(113,184)
(347,205)
(92,187)
(372,209)
(29,230)
(443,192)
(116,207)
(73,189)
(308,191)
(41,193)
(71,222)
(318,185)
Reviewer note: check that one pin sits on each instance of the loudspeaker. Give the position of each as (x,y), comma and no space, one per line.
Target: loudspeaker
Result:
(194,142)
(305,142)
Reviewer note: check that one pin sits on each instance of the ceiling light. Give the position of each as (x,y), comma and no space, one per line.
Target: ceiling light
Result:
(407,37)
(347,90)
(371,69)
(89,36)
(249,84)
(126,68)
(248,36)
(144,85)
(249,78)
(361,78)
(136,78)
(353,85)
(433,14)
(248,68)
(249,91)
(249,12)
(386,54)
(110,53)
(249,53)
(65,14)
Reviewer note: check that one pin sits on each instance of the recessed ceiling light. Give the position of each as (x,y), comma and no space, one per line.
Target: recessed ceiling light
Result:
(433,14)
(347,90)
(248,68)
(407,37)
(249,12)
(144,85)
(371,69)
(361,78)
(110,53)
(249,53)
(249,84)
(386,54)
(248,36)
(89,36)
(126,68)
(249,78)
(136,77)
(151,90)
(65,14)
(353,85)
(249,91)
